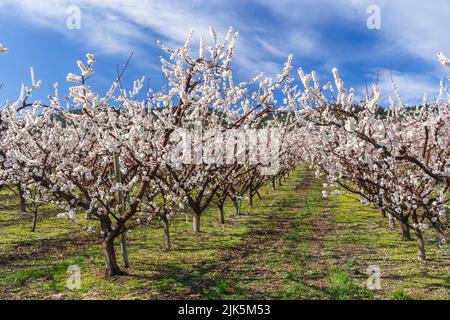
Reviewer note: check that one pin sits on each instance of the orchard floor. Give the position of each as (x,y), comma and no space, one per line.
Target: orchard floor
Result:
(292,244)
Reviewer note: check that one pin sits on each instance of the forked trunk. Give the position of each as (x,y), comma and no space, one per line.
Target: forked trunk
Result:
(406,233)
(111,266)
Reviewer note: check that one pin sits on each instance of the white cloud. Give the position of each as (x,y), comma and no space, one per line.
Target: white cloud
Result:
(410,28)
(122,26)
(418,27)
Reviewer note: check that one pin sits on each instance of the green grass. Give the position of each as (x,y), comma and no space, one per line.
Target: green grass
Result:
(399,294)
(343,287)
(363,237)
(292,244)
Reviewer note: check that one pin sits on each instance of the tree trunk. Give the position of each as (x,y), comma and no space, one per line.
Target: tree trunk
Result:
(166,225)
(420,244)
(419,236)
(221,214)
(391,221)
(406,234)
(124,247)
(250,193)
(237,206)
(111,266)
(121,200)
(22,207)
(259,196)
(196,223)
(33,227)
(274,187)
(383,213)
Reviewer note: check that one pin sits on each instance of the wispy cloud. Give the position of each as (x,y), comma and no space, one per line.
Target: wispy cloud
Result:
(417,27)
(121,26)
(320,33)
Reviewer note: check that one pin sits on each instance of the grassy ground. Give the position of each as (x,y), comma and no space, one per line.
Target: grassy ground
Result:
(291,245)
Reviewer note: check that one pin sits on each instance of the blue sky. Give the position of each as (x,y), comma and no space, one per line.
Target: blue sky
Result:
(320,34)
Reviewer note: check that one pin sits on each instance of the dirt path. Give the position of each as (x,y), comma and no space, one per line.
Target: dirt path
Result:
(317,264)
(241,265)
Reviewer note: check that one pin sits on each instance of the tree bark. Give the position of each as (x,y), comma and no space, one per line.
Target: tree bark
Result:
(406,234)
(111,266)
(196,223)
(124,247)
(250,193)
(420,244)
(237,206)
(166,225)
(419,236)
(33,227)
(121,200)
(22,205)
(221,214)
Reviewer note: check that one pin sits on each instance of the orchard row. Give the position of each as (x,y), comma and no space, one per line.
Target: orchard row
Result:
(107,160)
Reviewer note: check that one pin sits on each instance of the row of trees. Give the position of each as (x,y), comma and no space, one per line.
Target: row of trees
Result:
(128,157)
(397,159)
(122,160)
